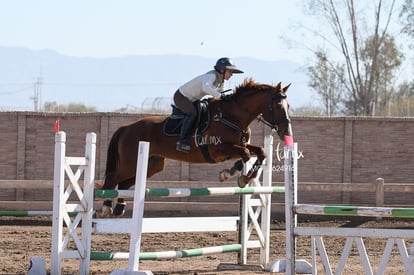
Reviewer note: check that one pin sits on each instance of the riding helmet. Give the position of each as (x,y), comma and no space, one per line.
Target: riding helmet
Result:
(226,63)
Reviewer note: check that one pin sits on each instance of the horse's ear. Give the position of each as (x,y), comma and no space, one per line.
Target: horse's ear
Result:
(286,88)
(278,86)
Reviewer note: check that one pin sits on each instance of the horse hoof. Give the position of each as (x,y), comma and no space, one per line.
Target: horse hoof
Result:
(97,185)
(242,181)
(119,209)
(106,211)
(224,175)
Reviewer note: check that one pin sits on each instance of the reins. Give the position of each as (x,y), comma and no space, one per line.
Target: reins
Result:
(228,123)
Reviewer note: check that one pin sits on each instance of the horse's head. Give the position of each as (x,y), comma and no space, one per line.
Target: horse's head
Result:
(277,114)
(269,102)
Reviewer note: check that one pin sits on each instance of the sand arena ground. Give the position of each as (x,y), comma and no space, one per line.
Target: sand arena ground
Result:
(24,238)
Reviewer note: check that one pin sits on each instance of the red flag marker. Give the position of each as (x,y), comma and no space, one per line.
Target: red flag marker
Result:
(56,126)
(288,140)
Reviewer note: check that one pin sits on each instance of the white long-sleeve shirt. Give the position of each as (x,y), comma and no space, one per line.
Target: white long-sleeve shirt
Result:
(209,83)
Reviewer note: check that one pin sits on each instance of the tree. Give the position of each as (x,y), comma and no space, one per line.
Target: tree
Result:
(307,111)
(326,80)
(71,107)
(407,21)
(407,18)
(402,104)
(388,60)
(363,50)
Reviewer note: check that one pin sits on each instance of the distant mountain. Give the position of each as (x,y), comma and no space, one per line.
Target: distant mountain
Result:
(124,82)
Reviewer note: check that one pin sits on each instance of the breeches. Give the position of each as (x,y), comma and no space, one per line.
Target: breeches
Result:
(184,104)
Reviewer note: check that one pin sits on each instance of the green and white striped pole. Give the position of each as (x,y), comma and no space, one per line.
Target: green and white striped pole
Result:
(24,213)
(343,210)
(189,192)
(29,213)
(107,256)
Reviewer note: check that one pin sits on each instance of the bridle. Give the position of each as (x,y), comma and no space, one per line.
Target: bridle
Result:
(274,122)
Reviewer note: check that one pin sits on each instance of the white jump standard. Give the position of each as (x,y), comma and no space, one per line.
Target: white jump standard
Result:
(352,235)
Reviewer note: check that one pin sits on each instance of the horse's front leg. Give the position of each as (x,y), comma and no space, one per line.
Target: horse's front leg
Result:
(261,155)
(235,151)
(229,173)
(243,180)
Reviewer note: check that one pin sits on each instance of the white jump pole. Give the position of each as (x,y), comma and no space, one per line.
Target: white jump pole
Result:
(249,217)
(291,176)
(291,198)
(87,200)
(137,213)
(58,192)
(138,208)
(267,205)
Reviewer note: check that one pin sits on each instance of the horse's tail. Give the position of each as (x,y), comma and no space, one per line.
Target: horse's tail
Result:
(113,155)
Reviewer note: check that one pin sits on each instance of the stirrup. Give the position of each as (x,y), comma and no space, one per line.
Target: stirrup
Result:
(183,147)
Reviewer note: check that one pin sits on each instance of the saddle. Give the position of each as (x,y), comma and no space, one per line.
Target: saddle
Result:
(172,125)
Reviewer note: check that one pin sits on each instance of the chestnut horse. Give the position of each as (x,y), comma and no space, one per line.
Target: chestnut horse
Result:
(228,124)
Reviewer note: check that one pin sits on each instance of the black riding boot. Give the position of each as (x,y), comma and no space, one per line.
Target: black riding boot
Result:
(182,144)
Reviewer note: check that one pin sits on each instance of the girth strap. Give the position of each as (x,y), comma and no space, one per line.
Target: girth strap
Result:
(203,148)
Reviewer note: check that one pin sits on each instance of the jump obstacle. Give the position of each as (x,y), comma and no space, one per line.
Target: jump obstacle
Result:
(352,235)
(292,209)
(253,210)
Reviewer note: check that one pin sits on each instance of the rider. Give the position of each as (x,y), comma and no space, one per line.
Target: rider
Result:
(210,83)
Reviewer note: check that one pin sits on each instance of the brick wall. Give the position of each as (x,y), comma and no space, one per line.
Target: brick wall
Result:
(345,149)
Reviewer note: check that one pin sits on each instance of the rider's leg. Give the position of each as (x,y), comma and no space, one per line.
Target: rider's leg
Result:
(182,144)
(186,106)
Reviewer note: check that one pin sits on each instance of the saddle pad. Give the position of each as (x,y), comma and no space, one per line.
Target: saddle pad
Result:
(172,126)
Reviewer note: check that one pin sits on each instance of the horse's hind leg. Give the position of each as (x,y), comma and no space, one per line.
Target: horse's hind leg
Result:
(119,209)
(106,209)
(155,165)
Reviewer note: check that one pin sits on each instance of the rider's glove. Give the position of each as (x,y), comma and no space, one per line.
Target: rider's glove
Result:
(227,95)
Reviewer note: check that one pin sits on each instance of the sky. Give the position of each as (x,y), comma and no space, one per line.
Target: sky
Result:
(258,29)
(107,28)
(102,28)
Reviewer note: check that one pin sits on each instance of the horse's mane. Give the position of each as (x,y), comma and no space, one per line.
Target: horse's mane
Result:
(250,85)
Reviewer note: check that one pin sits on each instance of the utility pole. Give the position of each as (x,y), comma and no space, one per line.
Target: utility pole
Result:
(37,94)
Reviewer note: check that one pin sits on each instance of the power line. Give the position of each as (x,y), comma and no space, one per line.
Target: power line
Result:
(67,84)
(16,91)
(98,84)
